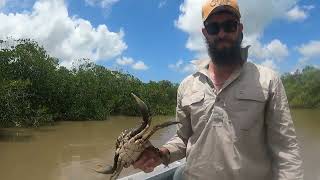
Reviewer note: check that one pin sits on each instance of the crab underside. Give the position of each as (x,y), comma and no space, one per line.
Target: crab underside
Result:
(130,144)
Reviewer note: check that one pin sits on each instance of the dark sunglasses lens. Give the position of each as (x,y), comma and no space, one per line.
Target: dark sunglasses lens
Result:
(229,26)
(213,28)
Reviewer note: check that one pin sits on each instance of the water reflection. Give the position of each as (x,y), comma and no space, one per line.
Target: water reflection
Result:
(15,135)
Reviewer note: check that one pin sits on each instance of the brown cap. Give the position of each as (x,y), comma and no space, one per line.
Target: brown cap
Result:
(214,6)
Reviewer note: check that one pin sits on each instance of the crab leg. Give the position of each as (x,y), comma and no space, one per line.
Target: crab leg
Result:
(157,127)
(109,169)
(117,172)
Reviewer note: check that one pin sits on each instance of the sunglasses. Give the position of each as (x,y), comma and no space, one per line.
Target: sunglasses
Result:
(228,26)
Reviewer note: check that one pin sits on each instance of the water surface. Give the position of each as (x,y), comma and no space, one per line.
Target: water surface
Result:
(69,150)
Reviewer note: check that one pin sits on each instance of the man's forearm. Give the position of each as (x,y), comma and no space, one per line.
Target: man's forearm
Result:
(176,148)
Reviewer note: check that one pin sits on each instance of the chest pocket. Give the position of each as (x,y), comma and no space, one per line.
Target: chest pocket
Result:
(195,104)
(254,95)
(249,107)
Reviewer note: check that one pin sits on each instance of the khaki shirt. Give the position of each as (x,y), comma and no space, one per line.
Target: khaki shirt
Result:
(244,131)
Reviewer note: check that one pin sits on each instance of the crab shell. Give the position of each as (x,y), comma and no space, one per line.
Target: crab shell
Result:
(131,151)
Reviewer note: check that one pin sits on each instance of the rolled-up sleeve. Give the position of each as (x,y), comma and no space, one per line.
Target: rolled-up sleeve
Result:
(178,144)
(282,139)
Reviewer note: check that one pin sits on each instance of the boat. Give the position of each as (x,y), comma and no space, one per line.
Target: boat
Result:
(159,173)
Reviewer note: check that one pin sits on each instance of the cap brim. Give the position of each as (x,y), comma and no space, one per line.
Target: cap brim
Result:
(225,8)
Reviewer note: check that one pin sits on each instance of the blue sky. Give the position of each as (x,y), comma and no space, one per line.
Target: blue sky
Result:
(161,39)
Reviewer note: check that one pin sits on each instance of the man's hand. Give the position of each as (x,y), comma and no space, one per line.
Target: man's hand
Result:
(149,159)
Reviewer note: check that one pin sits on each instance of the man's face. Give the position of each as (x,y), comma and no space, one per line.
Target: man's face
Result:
(225,22)
(223,36)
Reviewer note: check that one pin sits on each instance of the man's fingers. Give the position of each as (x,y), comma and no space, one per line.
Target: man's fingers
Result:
(147,170)
(140,162)
(149,163)
(148,160)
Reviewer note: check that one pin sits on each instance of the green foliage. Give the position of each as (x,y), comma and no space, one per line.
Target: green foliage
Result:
(303,88)
(35,90)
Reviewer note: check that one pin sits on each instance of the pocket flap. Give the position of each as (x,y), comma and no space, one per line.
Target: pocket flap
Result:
(192,98)
(253,94)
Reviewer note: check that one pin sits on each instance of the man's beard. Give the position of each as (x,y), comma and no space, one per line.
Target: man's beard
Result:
(225,56)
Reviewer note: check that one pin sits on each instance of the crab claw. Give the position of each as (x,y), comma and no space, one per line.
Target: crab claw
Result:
(143,108)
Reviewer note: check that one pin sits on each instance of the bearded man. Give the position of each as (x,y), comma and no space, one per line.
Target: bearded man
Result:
(234,114)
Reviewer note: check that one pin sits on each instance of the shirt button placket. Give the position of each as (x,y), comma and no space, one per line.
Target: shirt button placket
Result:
(218,99)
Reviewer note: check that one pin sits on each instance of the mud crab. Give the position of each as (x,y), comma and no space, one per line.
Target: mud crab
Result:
(131,143)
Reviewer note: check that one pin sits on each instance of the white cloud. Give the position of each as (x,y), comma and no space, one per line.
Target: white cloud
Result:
(162,3)
(270,64)
(308,7)
(275,50)
(105,4)
(124,61)
(176,66)
(101,3)
(2,3)
(140,66)
(182,67)
(67,38)
(309,51)
(298,13)
(256,16)
(190,22)
(128,61)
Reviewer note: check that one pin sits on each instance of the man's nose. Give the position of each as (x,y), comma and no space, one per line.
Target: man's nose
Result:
(221,33)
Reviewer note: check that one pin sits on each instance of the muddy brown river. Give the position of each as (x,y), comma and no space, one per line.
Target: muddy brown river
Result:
(69,150)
